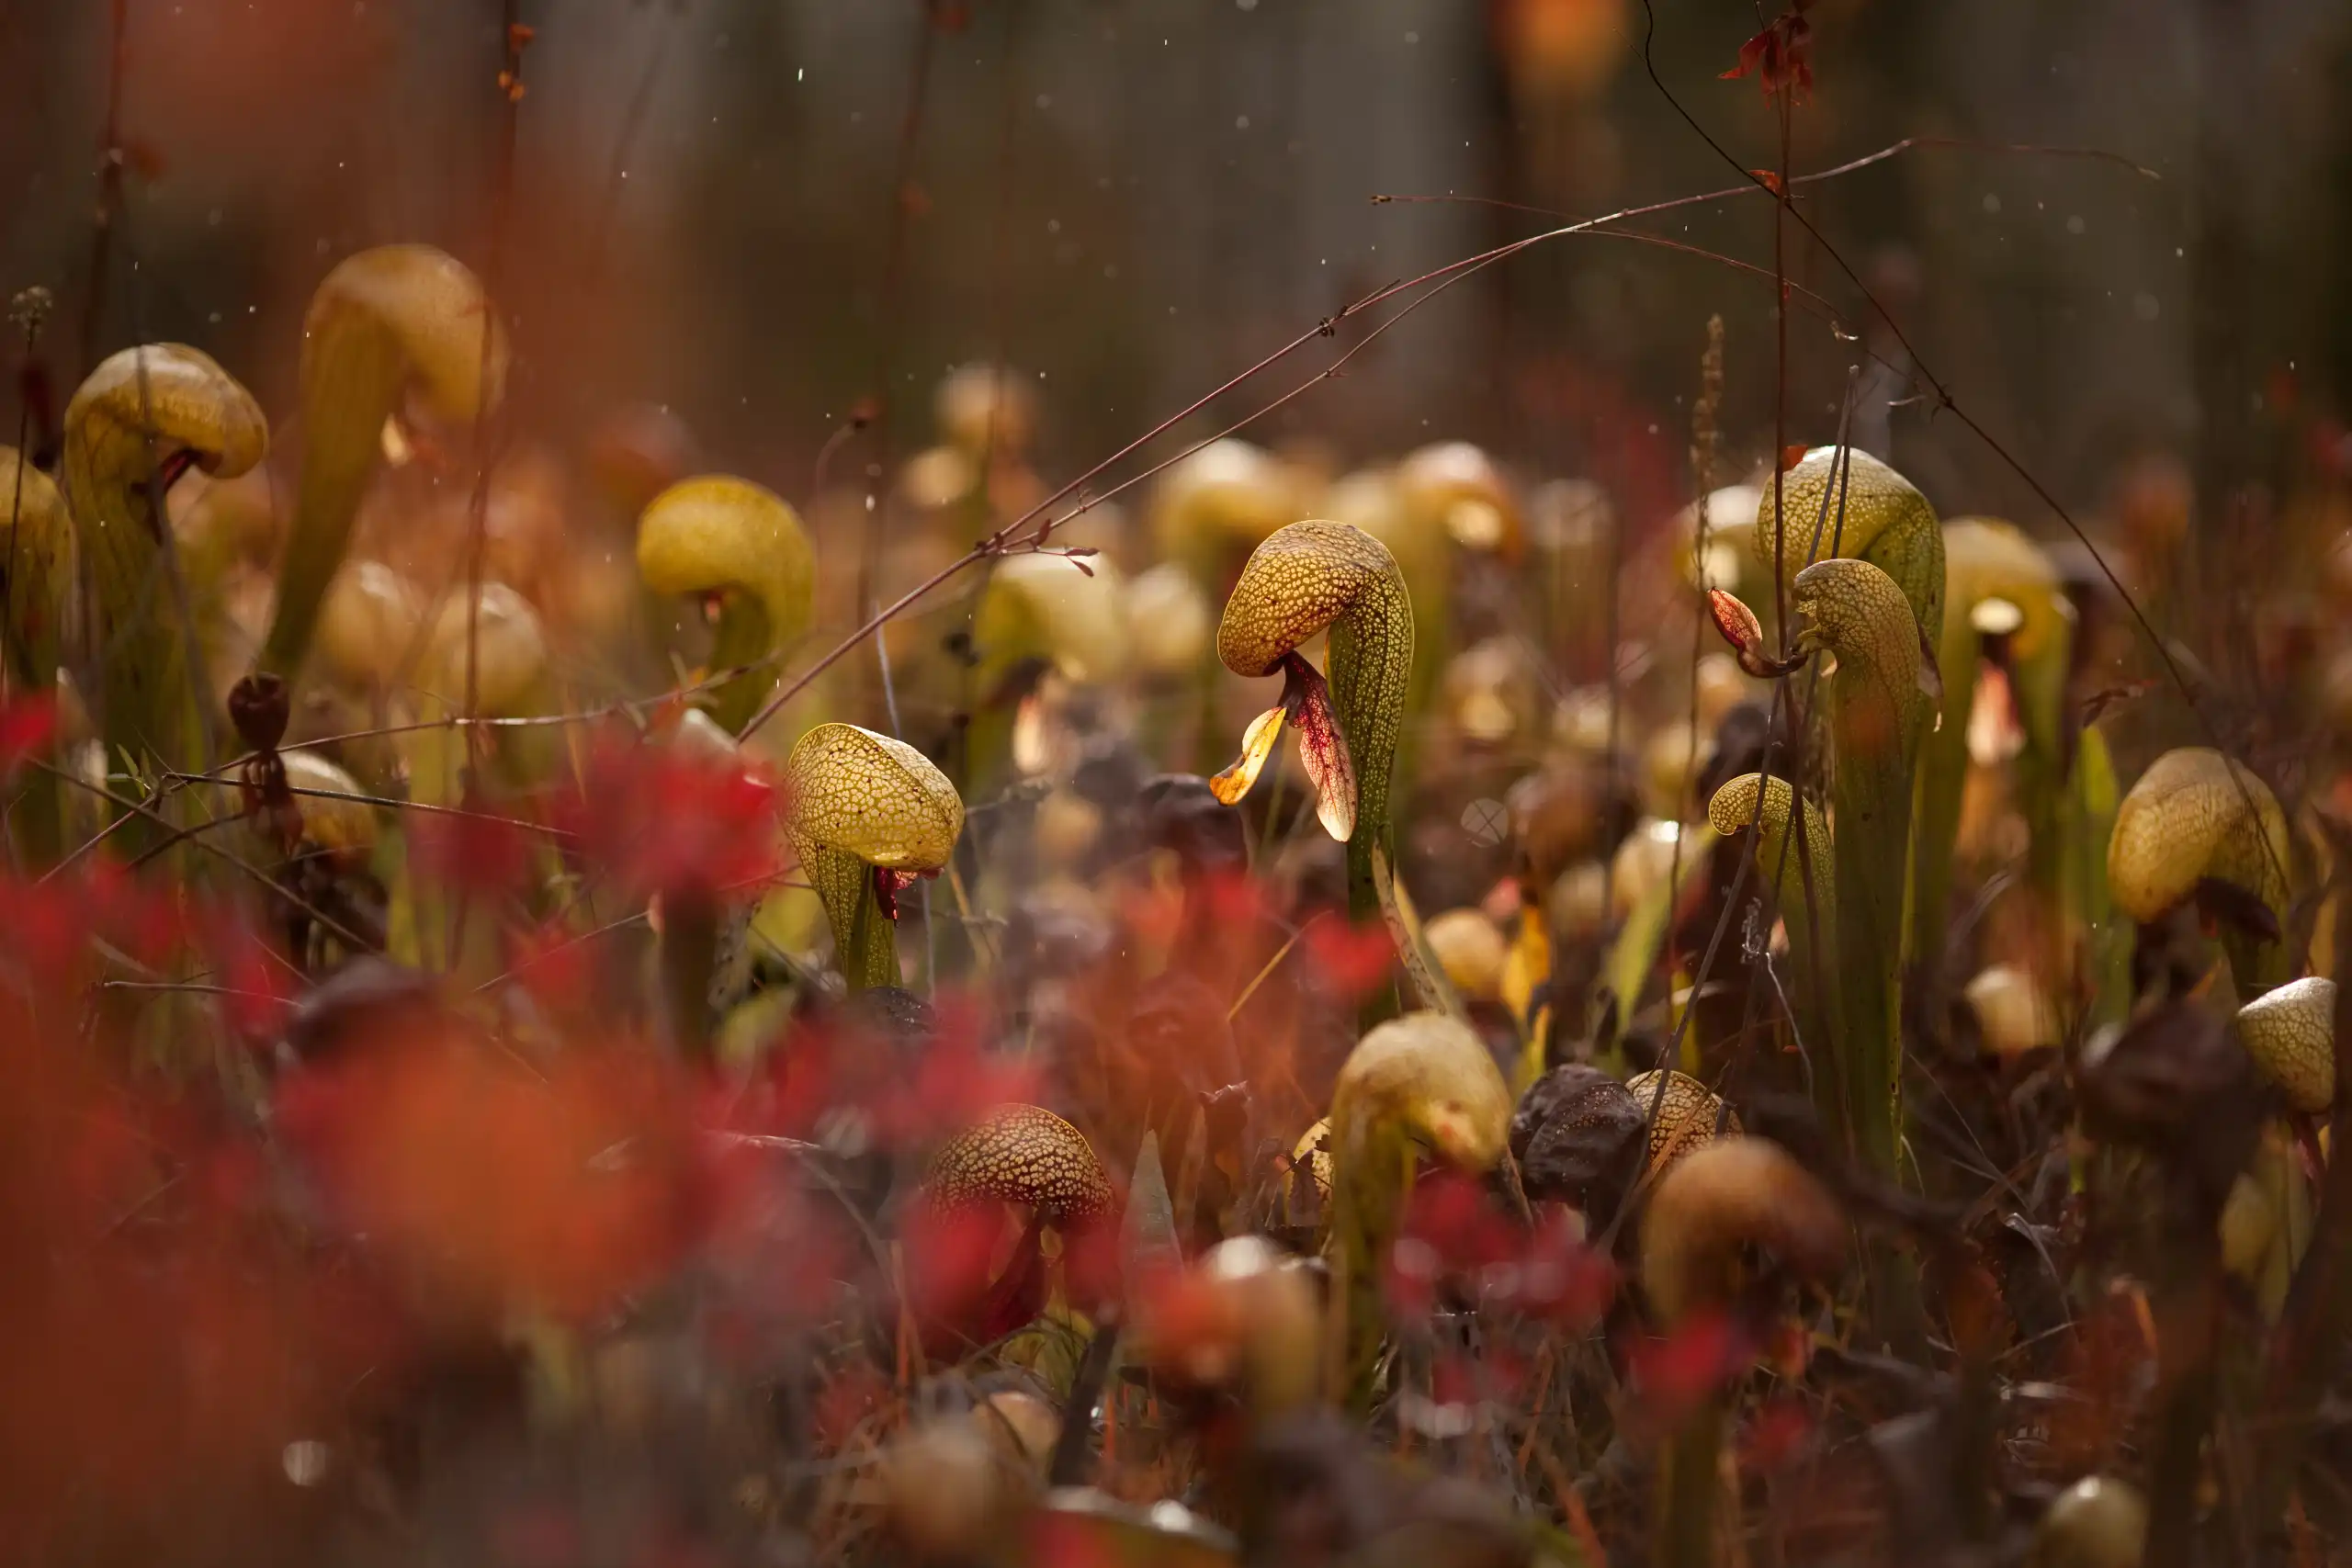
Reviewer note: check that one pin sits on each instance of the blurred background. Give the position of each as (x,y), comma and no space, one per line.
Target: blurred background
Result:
(767,214)
(2108,238)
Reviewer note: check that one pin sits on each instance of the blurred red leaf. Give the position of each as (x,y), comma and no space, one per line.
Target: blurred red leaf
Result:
(957,1080)
(474,854)
(1775,1435)
(551,963)
(526,1534)
(27,726)
(1351,959)
(950,1257)
(1455,1230)
(493,1186)
(1454,1380)
(661,822)
(1780,56)
(1561,1279)
(1452,1212)
(46,928)
(2330,445)
(846,1401)
(259,984)
(1696,1357)
(1091,1266)
(1069,1540)
(1413,1269)
(1234,897)
(158,1347)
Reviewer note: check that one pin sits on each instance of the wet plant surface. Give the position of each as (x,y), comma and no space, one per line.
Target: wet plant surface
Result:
(986,974)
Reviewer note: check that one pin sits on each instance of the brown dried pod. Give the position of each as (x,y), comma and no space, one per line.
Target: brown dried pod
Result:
(1573,1137)
(258,706)
(1687,1117)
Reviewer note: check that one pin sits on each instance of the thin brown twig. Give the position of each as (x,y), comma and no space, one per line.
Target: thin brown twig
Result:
(195,988)
(1436,280)
(392,802)
(763,882)
(1883,154)
(299,904)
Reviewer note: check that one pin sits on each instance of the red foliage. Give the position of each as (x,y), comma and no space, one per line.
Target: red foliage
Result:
(957,1080)
(1558,1277)
(158,1340)
(1452,1230)
(47,929)
(782,1252)
(1698,1357)
(659,822)
(1776,1435)
(1780,56)
(836,1072)
(1351,959)
(259,984)
(28,725)
(552,964)
(473,854)
(1069,1541)
(848,1400)
(1234,898)
(490,1183)
(950,1260)
(1092,1268)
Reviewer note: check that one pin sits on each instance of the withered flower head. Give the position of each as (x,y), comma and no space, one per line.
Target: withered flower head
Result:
(1572,1134)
